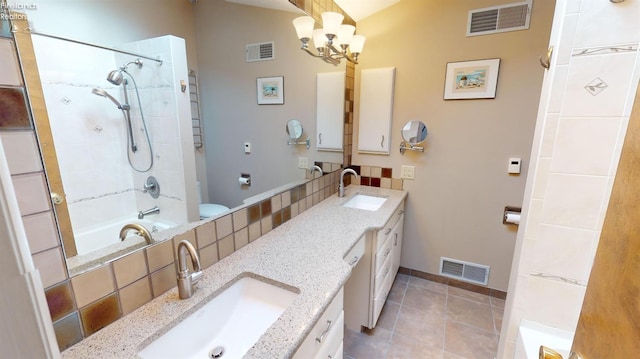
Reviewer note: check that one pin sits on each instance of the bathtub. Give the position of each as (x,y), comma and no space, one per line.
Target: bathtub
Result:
(532,335)
(107,234)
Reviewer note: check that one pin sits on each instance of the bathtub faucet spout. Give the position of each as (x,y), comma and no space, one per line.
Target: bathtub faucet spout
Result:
(154,210)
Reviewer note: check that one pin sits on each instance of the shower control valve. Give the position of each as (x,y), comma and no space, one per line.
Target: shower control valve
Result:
(152,187)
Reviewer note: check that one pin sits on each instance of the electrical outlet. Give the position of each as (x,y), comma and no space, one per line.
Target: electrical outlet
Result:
(408,172)
(303,162)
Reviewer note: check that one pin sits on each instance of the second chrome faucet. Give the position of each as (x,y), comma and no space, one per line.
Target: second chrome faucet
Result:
(341,185)
(186,280)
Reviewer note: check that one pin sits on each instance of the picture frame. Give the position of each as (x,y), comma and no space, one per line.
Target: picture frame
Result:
(471,79)
(270,90)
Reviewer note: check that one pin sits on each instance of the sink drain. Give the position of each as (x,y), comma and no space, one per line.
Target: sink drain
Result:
(216,352)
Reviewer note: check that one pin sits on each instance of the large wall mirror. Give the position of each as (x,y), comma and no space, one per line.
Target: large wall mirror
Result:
(117,115)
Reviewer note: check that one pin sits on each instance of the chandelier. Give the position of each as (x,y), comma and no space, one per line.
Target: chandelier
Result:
(333,34)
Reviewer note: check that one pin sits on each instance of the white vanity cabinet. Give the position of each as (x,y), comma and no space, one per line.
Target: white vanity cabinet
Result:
(368,287)
(376,109)
(330,111)
(325,339)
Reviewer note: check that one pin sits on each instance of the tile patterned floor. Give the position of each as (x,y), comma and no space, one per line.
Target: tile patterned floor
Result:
(424,319)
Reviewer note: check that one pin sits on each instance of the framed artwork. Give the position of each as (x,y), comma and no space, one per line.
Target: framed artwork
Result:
(471,79)
(270,90)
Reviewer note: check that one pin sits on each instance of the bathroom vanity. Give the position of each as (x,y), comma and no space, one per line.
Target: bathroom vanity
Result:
(368,287)
(312,255)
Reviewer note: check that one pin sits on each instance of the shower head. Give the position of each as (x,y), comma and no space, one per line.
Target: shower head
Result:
(104,93)
(116,77)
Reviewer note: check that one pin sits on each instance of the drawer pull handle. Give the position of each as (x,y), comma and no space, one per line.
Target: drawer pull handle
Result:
(385,273)
(324,333)
(354,261)
(387,231)
(396,240)
(401,212)
(387,252)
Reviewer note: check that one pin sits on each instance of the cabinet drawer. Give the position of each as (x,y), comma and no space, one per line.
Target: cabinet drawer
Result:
(383,253)
(381,276)
(310,346)
(332,339)
(356,253)
(381,297)
(384,232)
(339,354)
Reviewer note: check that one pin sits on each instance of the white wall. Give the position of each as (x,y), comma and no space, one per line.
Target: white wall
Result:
(461,185)
(577,145)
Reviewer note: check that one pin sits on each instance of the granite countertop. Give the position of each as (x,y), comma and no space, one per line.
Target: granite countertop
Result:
(305,252)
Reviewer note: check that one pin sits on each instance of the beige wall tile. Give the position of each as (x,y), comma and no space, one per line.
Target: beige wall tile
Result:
(254,231)
(22,151)
(239,219)
(51,266)
(365,171)
(9,71)
(208,256)
(276,203)
(206,234)
(241,238)
(93,285)
(224,226)
(286,198)
(135,295)
(130,268)
(385,182)
(31,193)
(267,225)
(376,171)
(160,255)
(225,246)
(163,280)
(41,231)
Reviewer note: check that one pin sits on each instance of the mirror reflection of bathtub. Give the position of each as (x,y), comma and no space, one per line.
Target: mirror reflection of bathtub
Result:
(101,242)
(106,152)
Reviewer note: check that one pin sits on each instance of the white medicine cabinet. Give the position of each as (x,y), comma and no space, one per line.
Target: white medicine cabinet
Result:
(376,110)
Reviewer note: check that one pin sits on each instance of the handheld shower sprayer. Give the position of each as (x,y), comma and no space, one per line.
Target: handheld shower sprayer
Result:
(105,94)
(125,109)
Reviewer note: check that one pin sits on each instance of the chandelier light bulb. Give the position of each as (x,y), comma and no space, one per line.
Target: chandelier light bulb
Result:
(331,22)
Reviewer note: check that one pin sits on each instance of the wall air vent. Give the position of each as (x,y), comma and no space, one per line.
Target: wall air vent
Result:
(466,271)
(262,51)
(496,19)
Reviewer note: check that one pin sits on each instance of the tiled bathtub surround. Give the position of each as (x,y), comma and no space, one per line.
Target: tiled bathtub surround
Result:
(81,306)
(585,107)
(91,136)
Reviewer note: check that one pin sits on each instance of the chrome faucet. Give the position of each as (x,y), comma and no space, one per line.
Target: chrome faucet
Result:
(315,168)
(341,186)
(154,210)
(141,231)
(186,280)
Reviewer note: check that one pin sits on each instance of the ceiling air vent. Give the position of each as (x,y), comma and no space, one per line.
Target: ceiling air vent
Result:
(466,271)
(496,19)
(262,51)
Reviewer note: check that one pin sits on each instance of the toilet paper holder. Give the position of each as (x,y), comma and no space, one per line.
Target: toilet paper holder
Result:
(510,210)
(245,179)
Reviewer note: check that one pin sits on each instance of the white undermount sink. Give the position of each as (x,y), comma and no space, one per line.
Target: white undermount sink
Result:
(362,201)
(234,320)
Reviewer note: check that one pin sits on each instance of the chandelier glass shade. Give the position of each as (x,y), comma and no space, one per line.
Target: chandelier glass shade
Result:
(333,42)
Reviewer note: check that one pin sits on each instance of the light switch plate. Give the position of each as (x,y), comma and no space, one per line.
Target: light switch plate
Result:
(408,172)
(303,162)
